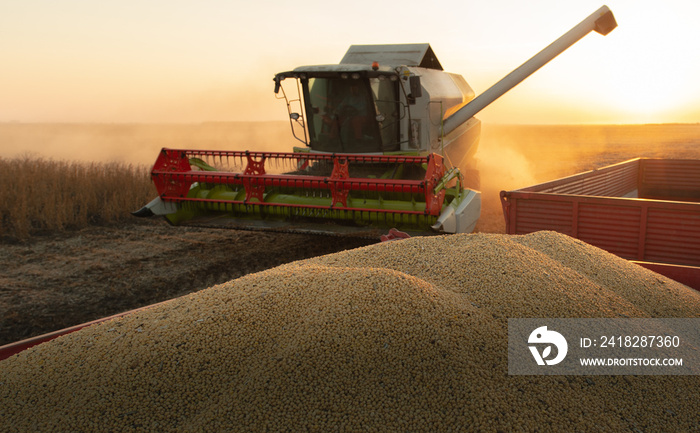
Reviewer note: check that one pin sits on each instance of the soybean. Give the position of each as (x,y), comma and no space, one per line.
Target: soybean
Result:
(408,335)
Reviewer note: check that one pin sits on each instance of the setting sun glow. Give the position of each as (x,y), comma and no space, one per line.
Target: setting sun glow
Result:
(83,61)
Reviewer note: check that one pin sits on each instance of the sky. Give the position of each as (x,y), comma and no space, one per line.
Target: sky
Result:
(212,60)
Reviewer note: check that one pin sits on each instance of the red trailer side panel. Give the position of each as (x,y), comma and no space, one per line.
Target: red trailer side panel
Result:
(646,210)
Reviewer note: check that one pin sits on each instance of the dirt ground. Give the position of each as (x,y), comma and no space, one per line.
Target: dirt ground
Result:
(60,280)
(63,279)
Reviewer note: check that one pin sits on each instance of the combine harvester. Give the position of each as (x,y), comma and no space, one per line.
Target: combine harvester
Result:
(389,139)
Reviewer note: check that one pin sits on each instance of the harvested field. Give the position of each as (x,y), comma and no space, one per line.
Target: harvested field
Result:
(407,336)
(63,279)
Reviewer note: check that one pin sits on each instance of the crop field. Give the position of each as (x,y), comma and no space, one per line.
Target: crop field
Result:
(40,195)
(71,253)
(70,176)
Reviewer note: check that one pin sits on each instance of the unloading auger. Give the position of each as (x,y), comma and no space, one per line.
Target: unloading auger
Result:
(389,142)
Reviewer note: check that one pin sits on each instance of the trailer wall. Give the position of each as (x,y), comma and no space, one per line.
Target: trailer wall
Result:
(643,209)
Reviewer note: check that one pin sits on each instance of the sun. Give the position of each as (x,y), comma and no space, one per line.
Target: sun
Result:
(651,73)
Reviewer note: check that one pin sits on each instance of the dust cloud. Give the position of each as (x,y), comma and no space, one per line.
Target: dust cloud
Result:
(515,156)
(138,144)
(502,165)
(553,151)
(509,156)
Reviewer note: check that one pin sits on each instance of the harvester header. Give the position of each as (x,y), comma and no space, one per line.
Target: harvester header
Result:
(389,141)
(257,195)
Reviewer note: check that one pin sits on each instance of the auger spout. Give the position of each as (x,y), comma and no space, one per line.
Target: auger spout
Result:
(601,21)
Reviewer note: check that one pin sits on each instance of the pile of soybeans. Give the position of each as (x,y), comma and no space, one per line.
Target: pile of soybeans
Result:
(408,335)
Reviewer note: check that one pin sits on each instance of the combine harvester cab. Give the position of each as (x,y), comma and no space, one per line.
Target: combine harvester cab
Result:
(389,142)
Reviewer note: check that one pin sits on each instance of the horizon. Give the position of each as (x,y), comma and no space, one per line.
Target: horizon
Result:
(140,143)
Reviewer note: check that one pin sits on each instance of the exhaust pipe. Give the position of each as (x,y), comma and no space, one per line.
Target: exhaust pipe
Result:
(601,21)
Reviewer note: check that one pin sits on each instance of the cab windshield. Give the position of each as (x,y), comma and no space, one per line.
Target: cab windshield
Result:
(352,115)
